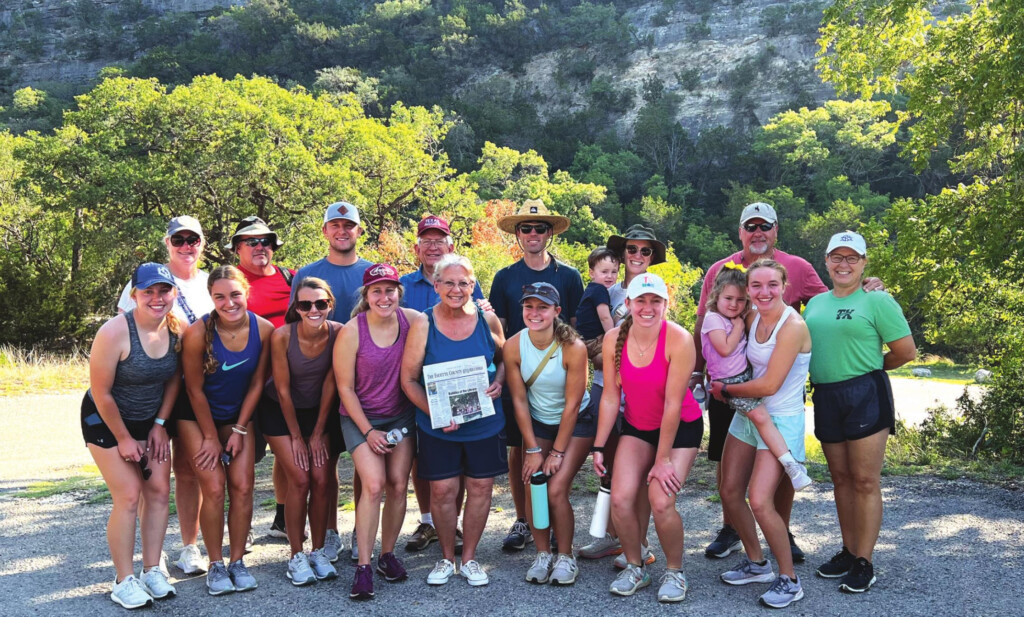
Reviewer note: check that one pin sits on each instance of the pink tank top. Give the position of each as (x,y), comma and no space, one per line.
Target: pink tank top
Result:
(645,389)
(377,384)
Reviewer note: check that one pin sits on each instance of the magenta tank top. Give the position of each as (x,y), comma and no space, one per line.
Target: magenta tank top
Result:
(377,384)
(644,388)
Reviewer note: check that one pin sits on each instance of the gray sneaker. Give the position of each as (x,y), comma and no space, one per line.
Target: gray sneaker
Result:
(783,592)
(218,581)
(156,584)
(748,572)
(540,571)
(355,548)
(130,593)
(240,576)
(601,547)
(565,570)
(645,553)
(299,572)
(332,545)
(321,565)
(630,580)
(673,587)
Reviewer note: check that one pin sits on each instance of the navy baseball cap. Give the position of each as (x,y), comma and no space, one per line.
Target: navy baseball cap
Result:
(149,274)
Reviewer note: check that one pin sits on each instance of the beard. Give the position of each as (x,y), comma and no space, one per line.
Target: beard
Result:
(759,249)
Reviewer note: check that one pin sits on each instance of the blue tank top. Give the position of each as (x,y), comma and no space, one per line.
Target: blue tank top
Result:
(227,386)
(440,348)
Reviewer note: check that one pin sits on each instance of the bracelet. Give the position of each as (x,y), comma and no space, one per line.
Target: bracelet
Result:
(533,450)
(553,449)
(556,454)
(239,430)
(159,421)
(366,435)
(597,449)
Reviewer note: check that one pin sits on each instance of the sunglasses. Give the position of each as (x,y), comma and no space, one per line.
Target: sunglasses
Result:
(254,242)
(752,227)
(144,466)
(541,228)
(633,249)
(307,305)
(177,241)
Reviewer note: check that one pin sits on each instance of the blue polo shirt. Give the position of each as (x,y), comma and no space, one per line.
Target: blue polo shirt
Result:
(345,282)
(419,292)
(507,289)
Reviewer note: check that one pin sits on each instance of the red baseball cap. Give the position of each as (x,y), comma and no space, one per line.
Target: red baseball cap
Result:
(379,272)
(433,222)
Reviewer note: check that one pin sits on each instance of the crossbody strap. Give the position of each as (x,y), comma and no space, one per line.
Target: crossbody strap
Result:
(544,361)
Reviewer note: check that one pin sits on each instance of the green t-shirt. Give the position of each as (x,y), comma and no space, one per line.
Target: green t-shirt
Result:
(847,333)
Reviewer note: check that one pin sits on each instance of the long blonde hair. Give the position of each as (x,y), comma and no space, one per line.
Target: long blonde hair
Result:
(230,273)
(624,327)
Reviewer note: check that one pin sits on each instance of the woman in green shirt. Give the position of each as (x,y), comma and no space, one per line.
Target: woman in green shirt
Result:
(853,407)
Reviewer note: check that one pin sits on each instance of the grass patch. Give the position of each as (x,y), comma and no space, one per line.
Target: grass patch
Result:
(74,484)
(943,369)
(36,372)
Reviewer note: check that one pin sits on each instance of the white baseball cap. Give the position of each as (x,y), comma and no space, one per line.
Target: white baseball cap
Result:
(759,210)
(647,283)
(849,239)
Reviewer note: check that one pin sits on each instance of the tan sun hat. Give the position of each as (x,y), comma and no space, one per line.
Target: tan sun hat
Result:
(533,210)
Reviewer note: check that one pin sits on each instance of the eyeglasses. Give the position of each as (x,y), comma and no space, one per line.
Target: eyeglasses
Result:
(144,466)
(850,259)
(752,227)
(307,305)
(254,242)
(541,228)
(433,243)
(633,249)
(462,285)
(177,241)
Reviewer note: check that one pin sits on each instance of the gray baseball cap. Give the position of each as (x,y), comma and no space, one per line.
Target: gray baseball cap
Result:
(759,210)
(341,210)
(180,223)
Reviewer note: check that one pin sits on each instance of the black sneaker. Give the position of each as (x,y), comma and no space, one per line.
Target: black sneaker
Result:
(277,529)
(838,566)
(798,554)
(518,536)
(860,578)
(726,543)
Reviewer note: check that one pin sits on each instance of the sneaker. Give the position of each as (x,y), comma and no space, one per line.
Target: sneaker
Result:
(458,541)
(218,581)
(422,537)
(797,475)
(130,593)
(321,565)
(630,580)
(748,572)
(443,570)
(332,545)
(191,561)
(519,535)
(648,556)
(554,543)
(248,542)
(601,547)
(473,573)
(299,571)
(783,592)
(277,529)
(838,566)
(860,578)
(565,570)
(156,584)
(240,576)
(391,568)
(362,583)
(726,543)
(540,571)
(796,551)
(355,548)
(673,587)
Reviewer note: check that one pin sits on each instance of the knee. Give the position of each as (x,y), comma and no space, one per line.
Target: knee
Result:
(213,493)
(558,493)
(127,500)
(397,488)
(841,478)
(479,490)
(866,485)
(299,483)
(661,504)
(442,493)
(183,471)
(373,488)
(623,503)
(762,505)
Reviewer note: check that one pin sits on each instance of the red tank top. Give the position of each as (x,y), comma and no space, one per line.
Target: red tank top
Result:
(644,388)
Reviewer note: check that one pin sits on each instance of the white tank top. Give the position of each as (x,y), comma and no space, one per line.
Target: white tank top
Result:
(789,400)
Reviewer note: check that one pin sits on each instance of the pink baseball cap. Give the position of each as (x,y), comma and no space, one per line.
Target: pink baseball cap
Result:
(379,272)
(433,222)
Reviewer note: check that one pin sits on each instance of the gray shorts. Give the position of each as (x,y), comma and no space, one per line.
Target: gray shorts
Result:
(354,437)
(740,404)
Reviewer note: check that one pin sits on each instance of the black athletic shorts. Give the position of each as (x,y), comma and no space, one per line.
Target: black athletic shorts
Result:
(687,436)
(96,432)
(853,409)
(513,438)
(270,420)
(719,419)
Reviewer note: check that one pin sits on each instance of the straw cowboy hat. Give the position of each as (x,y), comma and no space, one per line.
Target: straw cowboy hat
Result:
(533,210)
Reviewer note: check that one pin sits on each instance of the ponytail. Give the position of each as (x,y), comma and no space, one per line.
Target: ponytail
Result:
(176,328)
(564,333)
(620,342)
(209,360)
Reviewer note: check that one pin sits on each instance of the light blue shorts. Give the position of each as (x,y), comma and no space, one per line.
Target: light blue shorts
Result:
(791,427)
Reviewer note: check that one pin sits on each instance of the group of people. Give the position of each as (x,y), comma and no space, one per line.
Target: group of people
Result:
(201,371)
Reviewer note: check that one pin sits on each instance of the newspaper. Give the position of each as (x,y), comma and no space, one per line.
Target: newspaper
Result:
(455,391)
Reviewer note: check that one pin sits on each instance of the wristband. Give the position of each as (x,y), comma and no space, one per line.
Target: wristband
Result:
(553,449)
(725,391)
(366,435)
(597,449)
(239,430)
(159,421)
(533,450)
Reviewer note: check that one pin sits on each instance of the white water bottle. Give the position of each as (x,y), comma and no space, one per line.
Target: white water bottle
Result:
(602,508)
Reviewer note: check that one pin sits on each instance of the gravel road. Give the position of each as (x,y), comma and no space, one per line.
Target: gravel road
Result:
(946,548)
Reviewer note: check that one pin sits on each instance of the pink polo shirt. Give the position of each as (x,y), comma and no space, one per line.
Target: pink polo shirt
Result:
(803,283)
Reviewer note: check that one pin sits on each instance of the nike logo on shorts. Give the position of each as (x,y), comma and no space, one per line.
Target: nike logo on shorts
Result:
(228,367)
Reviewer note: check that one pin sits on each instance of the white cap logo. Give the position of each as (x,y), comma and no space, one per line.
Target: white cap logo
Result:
(380,271)
(163,271)
(533,209)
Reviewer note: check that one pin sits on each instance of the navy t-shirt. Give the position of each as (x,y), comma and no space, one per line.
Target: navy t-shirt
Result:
(345,281)
(507,289)
(588,324)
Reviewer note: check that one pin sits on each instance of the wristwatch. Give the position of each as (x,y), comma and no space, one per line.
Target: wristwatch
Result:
(725,391)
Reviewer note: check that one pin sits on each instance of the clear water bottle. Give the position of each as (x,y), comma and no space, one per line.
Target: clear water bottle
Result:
(395,436)
(700,394)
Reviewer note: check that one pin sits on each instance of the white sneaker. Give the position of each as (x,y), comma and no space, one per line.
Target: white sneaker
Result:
(540,571)
(156,584)
(443,570)
(565,570)
(646,553)
(162,566)
(299,571)
(130,593)
(798,475)
(191,561)
(473,573)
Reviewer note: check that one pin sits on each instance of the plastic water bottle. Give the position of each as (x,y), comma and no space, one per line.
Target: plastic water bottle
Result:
(539,498)
(602,508)
(395,436)
(700,394)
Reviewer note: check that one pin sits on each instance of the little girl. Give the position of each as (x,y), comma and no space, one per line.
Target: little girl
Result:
(724,341)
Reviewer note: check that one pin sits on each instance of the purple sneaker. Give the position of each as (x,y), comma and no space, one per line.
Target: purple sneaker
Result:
(362,585)
(391,568)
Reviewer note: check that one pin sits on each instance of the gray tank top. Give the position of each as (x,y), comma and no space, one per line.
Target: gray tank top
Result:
(306,375)
(139,380)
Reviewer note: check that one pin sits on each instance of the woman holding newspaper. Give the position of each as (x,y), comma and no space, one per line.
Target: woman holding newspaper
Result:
(456,330)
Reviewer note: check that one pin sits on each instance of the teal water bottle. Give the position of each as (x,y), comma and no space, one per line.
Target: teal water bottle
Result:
(539,497)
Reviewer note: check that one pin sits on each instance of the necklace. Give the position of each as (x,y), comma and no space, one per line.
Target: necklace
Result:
(643,350)
(222,331)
